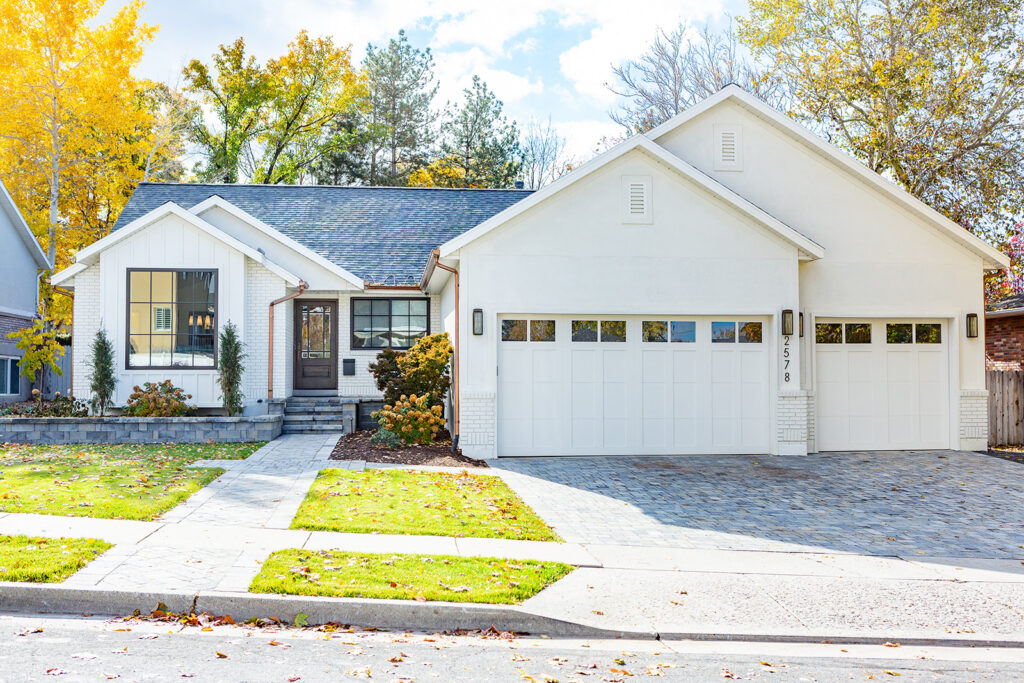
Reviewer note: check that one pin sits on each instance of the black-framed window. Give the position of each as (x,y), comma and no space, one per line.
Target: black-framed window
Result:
(172,318)
(396,323)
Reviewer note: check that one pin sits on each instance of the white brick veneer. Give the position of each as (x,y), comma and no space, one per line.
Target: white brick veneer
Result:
(477,425)
(973,420)
(262,287)
(812,411)
(791,423)
(87,321)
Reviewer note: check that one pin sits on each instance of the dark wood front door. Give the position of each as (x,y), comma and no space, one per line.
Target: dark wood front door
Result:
(316,344)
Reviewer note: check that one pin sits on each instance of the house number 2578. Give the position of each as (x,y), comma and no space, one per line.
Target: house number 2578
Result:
(785,359)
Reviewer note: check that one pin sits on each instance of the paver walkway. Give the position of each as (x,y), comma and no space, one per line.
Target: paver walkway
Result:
(949,504)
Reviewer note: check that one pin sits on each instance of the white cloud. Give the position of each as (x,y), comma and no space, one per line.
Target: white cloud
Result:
(455,71)
(582,137)
(618,36)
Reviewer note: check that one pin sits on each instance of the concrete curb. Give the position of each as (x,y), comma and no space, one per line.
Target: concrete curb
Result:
(400,615)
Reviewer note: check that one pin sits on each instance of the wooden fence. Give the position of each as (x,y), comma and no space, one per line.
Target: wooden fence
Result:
(1005,410)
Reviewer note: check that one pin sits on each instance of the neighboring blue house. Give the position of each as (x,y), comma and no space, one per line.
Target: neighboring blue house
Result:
(21,259)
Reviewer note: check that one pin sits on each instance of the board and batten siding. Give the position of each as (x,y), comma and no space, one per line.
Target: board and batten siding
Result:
(169,243)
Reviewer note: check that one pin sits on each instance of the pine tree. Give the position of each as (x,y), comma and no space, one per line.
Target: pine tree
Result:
(231,357)
(102,381)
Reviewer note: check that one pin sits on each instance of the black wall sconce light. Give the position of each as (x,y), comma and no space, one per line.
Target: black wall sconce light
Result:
(972,325)
(787,323)
(478,321)
(801,325)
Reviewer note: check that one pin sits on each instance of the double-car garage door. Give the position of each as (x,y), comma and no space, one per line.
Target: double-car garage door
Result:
(588,385)
(630,385)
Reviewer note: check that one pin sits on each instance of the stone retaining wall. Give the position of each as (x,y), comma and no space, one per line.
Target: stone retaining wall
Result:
(59,430)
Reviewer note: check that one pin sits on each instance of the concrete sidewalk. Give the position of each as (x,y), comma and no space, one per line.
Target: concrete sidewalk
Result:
(213,544)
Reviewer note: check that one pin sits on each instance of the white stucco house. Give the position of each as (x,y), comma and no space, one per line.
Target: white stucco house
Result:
(727,283)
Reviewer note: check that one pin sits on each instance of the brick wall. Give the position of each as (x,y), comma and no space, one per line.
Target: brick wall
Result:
(477,425)
(11,323)
(87,320)
(973,420)
(262,287)
(791,423)
(1004,343)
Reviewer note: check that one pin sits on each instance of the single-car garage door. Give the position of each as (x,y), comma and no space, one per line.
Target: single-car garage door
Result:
(631,385)
(881,384)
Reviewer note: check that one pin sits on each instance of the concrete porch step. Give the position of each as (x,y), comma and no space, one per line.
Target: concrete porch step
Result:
(292,418)
(305,410)
(296,428)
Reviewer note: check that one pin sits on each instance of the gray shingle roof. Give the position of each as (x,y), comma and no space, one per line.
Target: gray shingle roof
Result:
(1007,303)
(381,234)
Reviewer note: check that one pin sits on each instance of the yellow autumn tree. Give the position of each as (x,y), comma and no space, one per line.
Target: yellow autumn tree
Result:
(77,129)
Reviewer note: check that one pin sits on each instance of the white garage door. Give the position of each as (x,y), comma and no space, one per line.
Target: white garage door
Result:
(621,385)
(881,384)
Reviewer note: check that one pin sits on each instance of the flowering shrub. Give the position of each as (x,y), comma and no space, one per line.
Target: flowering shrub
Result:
(60,406)
(161,399)
(412,419)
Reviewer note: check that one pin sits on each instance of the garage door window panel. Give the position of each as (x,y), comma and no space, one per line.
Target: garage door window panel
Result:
(858,333)
(723,332)
(655,331)
(750,333)
(613,330)
(828,333)
(899,333)
(928,333)
(513,330)
(542,330)
(684,331)
(584,330)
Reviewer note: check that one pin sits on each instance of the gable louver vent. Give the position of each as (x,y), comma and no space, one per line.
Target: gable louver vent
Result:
(636,199)
(728,148)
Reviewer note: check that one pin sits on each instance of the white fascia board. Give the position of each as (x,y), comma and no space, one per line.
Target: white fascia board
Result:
(25,232)
(1004,312)
(992,257)
(806,245)
(272,232)
(168,209)
(67,274)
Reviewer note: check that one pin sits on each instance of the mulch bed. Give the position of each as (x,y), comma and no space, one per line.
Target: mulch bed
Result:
(357,446)
(1016,456)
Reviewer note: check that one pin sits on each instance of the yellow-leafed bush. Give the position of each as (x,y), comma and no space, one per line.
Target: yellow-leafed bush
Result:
(412,419)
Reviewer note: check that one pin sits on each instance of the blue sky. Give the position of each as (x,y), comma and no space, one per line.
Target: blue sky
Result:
(542,57)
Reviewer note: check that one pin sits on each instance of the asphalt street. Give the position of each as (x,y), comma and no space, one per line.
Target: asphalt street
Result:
(77,648)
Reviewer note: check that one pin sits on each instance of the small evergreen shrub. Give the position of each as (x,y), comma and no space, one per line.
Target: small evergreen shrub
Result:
(423,371)
(159,399)
(232,353)
(412,419)
(383,438)
(102,380)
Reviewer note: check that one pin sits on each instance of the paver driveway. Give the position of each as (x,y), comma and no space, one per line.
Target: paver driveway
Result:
(940,504)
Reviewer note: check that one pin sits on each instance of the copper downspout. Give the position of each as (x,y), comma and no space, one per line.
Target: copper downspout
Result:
(71,295)
(458,337)
(270,347)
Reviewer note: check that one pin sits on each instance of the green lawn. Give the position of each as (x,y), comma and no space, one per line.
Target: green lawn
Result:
(126,481)
(392,501)
(334,573)
(46,560)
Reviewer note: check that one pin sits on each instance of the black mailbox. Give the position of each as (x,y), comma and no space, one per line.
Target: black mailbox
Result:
(348,366)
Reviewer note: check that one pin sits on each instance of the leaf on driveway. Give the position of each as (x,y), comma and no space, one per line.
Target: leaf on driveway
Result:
(221,655)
